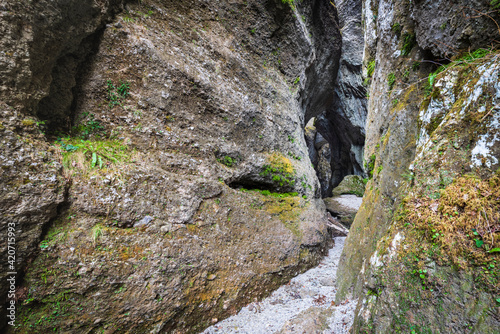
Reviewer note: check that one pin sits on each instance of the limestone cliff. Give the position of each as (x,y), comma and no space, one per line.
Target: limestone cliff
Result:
(421,253)
(153,157)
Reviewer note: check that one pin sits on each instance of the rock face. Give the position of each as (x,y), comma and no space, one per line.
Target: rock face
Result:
(36,49)
(320,156)
(184,189)
(343,123)
(418,247)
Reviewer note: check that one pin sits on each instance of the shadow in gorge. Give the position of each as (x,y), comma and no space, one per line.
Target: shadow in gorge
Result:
(335,138)
(335,148)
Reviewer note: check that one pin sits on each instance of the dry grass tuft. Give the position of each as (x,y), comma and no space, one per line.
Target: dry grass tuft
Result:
(464,221)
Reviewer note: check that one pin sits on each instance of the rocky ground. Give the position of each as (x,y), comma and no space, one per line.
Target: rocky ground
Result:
(306,304)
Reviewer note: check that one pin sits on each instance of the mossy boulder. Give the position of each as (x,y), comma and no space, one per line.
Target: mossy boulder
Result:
(344,207)
(351,184)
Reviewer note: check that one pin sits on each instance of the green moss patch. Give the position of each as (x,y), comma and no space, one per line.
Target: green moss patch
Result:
(280,169)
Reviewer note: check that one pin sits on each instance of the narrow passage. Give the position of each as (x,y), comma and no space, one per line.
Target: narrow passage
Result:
(304,305)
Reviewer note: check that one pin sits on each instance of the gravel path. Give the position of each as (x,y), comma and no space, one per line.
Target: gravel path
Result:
(312,290)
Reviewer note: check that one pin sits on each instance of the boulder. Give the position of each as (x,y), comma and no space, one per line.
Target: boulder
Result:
(344,207)
(351,184)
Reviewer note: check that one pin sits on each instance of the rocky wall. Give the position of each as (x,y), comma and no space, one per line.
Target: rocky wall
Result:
(415,252)
(35,37)
(164,144)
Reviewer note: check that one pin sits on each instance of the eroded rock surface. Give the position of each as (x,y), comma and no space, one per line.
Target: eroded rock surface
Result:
(185,180)
(413,253)
(343,123)
(38,42)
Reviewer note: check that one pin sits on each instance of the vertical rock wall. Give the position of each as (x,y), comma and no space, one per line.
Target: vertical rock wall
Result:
(181,188)
(341,123)
(42,45)
(411,257)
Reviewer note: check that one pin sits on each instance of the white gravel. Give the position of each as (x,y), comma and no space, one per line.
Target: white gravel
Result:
(316,287)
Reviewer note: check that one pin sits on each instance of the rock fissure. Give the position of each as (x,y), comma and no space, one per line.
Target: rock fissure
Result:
(160,98)
(203,140)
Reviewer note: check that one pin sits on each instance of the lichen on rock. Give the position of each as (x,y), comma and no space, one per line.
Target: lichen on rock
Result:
(416,247)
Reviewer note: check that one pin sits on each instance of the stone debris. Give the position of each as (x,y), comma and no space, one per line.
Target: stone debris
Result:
(304,305)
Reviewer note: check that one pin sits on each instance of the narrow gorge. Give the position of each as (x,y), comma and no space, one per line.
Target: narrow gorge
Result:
(167,163)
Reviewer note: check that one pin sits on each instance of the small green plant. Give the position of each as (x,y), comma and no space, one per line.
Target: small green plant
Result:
(88,125)
(466,59)
(128,19)
(370,165)
(227,161)
(421,273)
(290,3)
(370,68)
(435,234)
(252,31)
(117,94)
(396,28)
(291,139)
(146,15)
(442,26)
(409,41)
(97,232)
(391,80)
(121,289)
(83,153)
(296,81)
(495,4)
(66,147)
(54,236)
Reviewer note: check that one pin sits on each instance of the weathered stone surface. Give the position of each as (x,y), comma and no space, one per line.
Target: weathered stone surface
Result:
(324,169)
(344,207)
(417,145)
(343,123)
(176,110)
(32,187)
(440,30)
(351,184)
(310,137)
(39,41)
